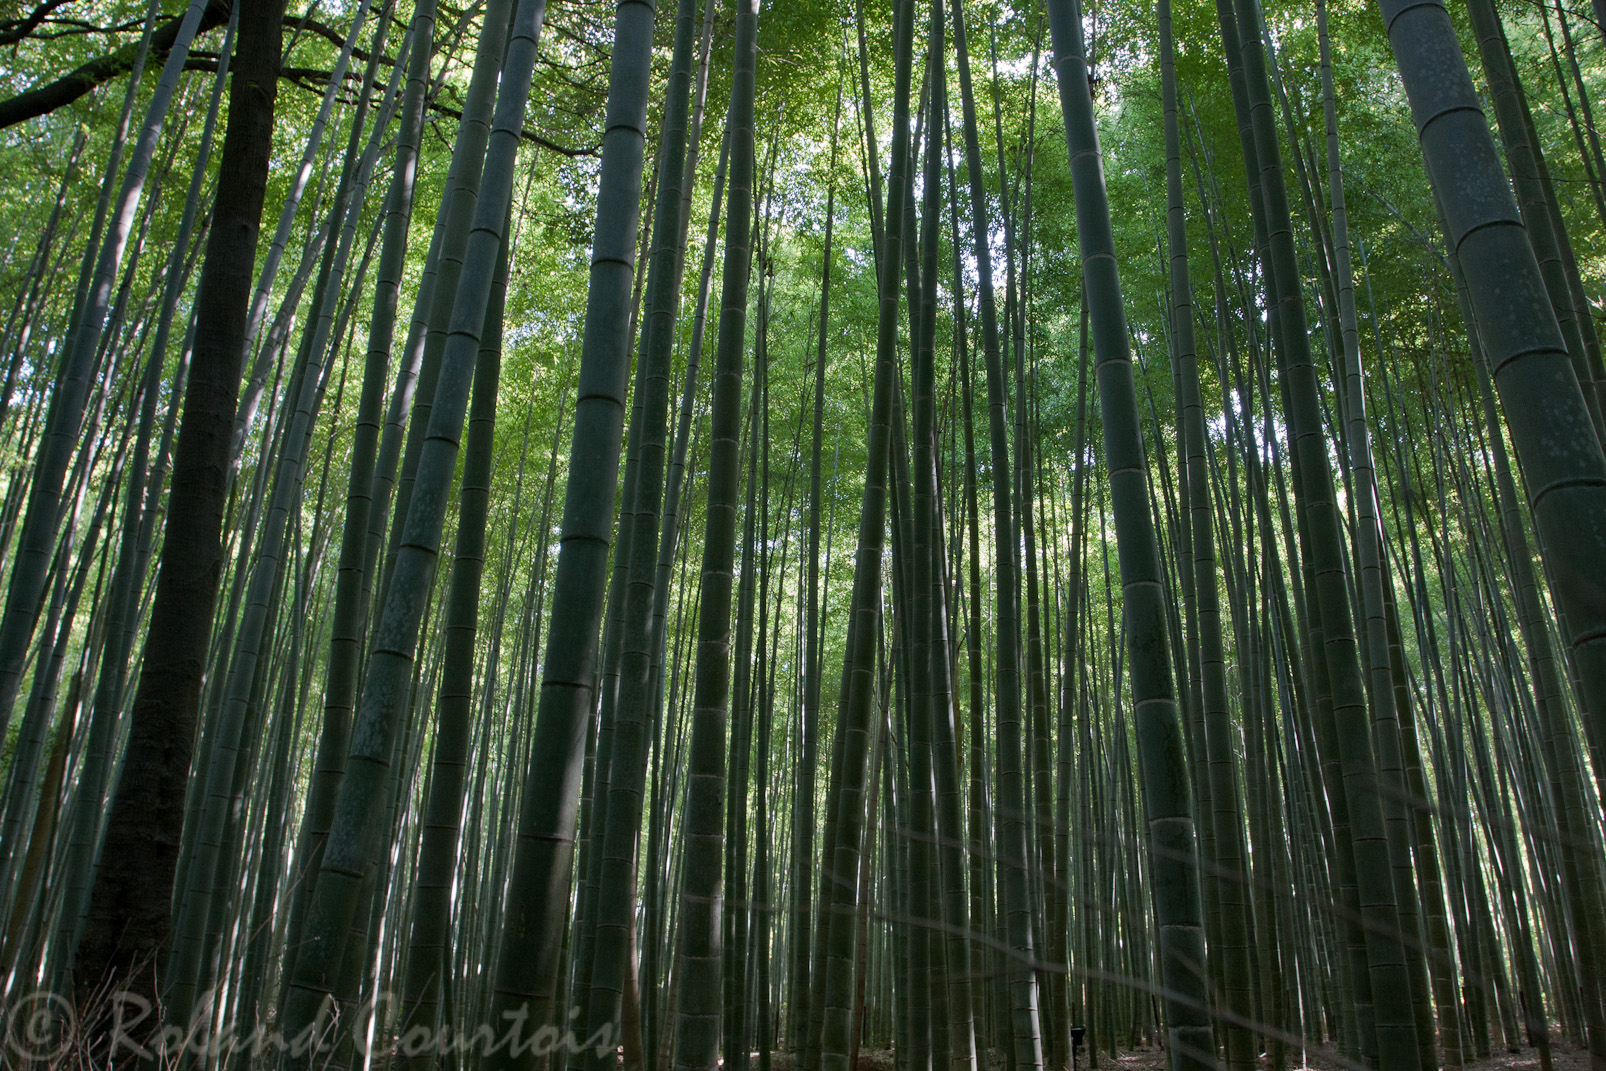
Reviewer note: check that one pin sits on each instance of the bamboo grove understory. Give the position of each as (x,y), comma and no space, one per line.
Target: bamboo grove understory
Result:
(958,533)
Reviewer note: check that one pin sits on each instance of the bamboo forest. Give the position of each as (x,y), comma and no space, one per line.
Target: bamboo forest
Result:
(806,535)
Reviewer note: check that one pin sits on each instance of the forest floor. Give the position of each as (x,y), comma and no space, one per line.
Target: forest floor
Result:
(1565,1056)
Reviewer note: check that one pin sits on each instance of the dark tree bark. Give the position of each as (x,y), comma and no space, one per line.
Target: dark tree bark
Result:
(129,914)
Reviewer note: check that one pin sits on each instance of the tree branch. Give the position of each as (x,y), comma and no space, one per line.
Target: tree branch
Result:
(335,36)
(528,135)
(82,80)
(14,30)
(76,83)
